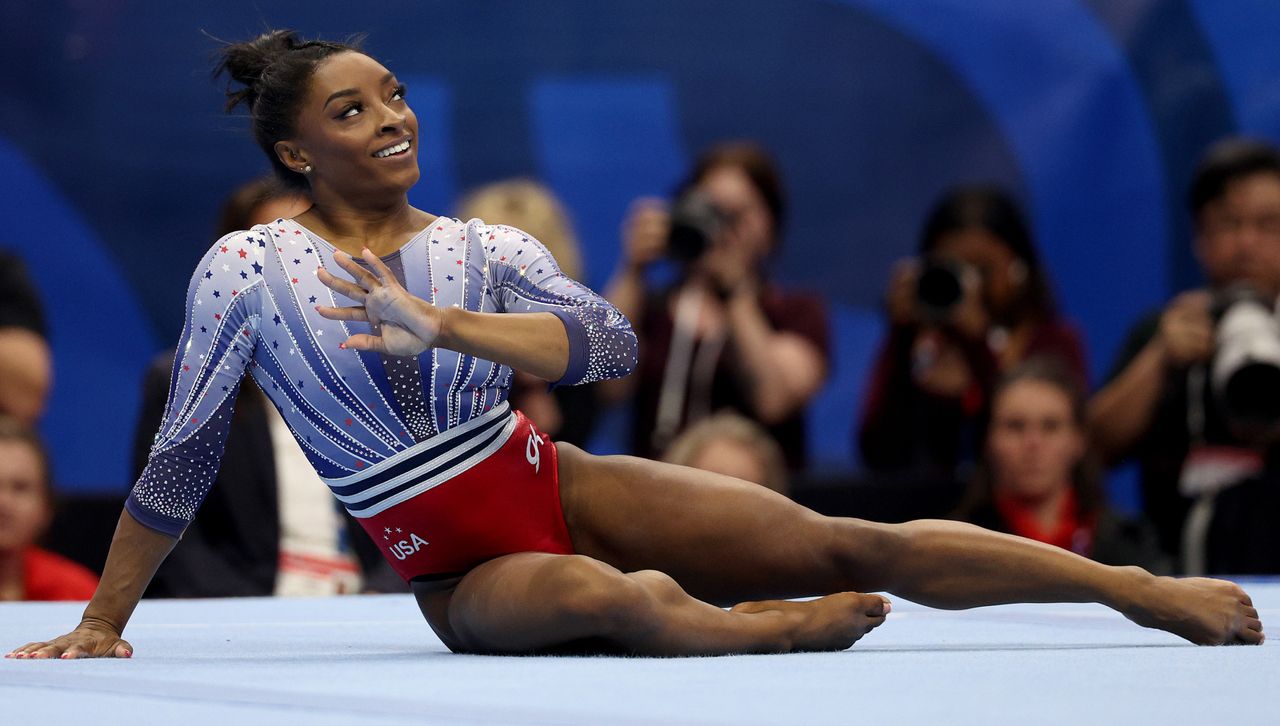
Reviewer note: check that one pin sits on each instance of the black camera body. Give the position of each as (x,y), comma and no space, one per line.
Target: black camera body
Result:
(940,287)
(695,224)
(1244,374)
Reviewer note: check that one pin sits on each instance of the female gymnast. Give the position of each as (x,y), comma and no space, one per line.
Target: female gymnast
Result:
(393,375)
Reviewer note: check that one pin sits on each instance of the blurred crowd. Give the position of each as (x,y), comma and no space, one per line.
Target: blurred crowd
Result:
(979,405)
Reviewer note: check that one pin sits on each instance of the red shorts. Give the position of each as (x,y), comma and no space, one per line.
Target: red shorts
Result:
(481,490)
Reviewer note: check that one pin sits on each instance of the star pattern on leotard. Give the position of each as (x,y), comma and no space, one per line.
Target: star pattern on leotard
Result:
(348,410)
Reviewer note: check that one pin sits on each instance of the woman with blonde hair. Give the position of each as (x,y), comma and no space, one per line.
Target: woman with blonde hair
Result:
(734,445)
(567,413)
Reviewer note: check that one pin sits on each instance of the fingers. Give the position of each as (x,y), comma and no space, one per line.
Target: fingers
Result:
(363,341)
(56,649)
(47,650)
(357,313)
(362,276)
(383,272)
(342,287)
(24,651)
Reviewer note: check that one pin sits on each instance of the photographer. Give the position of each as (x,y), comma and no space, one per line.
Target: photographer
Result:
(1166,401)
(721,336)
(973,304)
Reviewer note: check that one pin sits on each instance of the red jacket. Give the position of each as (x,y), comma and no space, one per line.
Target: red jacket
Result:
(46,576)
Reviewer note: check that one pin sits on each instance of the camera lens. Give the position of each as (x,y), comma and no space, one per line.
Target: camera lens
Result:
(939,289)
(1246,365)
(695,222)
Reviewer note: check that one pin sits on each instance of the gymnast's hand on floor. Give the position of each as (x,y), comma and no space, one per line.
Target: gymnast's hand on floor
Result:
(406,325)
(88,640)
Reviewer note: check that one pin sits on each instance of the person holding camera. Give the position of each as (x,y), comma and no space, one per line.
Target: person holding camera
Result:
(1195,395)
(722,336)
(975,302)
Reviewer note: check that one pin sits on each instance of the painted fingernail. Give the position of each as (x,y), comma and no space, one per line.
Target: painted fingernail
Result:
(342,346)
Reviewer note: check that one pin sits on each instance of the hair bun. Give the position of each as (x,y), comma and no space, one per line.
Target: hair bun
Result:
(246,63)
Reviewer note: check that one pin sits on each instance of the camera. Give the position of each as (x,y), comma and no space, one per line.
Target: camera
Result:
(940,288)
(1245,371)
(695,224)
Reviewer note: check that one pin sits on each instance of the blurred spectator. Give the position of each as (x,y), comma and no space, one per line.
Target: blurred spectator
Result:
(28,572)
(1038,479)
(723,336)
(1209,462)
(974,303)
(729,444)
(269,525)
(566,413)
(26,367)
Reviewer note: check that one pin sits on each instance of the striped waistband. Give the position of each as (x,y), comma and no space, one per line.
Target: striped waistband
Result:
(424,465)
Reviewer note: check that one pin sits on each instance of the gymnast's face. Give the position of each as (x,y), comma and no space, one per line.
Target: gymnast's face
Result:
(1034,442)
(356,132)
(24,503)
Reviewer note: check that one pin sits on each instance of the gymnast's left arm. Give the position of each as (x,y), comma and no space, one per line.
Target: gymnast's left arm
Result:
(547,324)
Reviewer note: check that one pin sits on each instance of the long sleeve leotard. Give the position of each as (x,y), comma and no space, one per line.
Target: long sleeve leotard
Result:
(251,308)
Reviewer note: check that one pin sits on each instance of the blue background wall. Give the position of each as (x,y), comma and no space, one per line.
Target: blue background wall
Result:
(114,153)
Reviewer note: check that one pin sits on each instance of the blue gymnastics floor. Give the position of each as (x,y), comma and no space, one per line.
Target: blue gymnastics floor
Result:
(372,659)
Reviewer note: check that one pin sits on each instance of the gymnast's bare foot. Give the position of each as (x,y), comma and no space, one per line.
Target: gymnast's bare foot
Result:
(834,622)
(1202,610)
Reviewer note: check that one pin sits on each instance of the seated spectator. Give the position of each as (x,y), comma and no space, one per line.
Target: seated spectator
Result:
(1037,478)
(974,303)
(729,444)
(723,335)
(26,366)
(566,413)
(269,526)
(28,572)
(1209,474)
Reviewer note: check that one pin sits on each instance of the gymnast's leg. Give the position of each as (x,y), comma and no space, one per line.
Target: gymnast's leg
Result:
(725,540)
(541,603)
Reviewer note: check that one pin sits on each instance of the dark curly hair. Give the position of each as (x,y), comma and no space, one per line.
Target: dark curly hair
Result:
(274,69)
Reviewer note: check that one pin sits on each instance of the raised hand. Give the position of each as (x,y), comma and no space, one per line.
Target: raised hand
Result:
(644,233)
(405,324)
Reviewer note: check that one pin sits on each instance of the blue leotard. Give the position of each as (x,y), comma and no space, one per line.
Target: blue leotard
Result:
(251,307)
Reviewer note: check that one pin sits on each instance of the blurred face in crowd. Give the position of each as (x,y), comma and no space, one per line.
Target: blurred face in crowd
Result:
(749,223)
(24,502)
(731,458)
(1034,442)
(993,260)
(1238,238)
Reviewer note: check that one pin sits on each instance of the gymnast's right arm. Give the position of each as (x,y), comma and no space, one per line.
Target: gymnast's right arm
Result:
(216,347)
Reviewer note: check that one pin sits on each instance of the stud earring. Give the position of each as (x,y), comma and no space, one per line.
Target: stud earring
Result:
(306,169)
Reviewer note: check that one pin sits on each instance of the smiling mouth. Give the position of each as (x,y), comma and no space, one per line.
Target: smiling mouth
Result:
(397,150)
